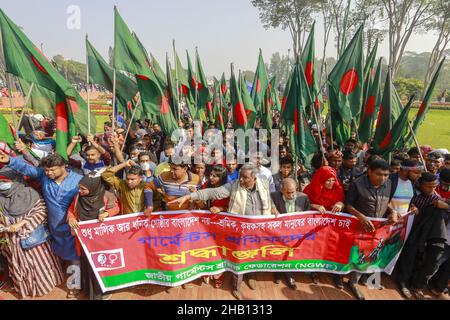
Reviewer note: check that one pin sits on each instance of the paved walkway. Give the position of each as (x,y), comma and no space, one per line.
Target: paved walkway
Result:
(266,290)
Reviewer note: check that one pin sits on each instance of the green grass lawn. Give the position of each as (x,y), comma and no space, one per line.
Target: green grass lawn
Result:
(435,130)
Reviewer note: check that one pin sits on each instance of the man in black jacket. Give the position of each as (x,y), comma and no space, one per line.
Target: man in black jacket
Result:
(286,201)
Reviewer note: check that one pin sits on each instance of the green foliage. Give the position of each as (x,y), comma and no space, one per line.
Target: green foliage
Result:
(408,86)
(73,71)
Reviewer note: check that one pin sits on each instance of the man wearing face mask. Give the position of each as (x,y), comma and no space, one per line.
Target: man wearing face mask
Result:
(59,186)
(130,190)
(147,166)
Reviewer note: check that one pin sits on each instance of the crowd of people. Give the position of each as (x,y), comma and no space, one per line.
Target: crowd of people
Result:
(116,172)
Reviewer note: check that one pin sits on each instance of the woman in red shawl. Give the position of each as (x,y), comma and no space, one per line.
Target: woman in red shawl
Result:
(325,192)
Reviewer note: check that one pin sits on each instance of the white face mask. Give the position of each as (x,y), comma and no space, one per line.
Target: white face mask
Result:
(5,186)
(145,166)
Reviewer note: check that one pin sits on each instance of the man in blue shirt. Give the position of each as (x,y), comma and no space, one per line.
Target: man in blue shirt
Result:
(59,187)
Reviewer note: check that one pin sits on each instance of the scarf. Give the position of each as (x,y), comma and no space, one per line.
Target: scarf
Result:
(238,198)
(18,200)
(319,194)
(88,207)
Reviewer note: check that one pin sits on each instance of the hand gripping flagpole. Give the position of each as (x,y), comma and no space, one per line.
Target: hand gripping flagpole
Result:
(27,99)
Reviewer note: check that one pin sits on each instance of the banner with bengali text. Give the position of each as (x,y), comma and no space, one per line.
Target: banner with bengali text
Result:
(173,248)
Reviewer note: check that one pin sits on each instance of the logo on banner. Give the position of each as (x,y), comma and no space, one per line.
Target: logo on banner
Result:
(108,259)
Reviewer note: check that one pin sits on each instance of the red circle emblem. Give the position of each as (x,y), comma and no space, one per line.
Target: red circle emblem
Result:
(61,117)
(349,82)
(309,73)
(239,113)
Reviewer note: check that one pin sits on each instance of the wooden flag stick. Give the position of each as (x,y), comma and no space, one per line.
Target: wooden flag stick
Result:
(27,99)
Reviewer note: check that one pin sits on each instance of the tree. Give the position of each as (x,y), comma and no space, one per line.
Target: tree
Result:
(327,17)
(337,10)
(404,17)
(295,15)
(248,75)
(73,71)
(369,13)
(278,67)
(406,87)
(439,22)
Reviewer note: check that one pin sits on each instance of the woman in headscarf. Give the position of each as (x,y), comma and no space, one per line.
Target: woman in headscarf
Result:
(34,271)
(92,202)
(326,194)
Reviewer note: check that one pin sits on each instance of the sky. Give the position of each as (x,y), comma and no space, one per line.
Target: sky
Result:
(224,31)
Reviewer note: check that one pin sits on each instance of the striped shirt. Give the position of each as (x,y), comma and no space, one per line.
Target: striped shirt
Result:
(422,200)
(171,189)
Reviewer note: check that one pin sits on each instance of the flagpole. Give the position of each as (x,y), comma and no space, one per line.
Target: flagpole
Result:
(87,89)
(417,145)
(27,99)
(114,101)
(329,109)
(11,104)
(131,122)
(195,75)
(176,79)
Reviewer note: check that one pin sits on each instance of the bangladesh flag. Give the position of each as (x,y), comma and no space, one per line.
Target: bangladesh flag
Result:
(369,68)
(24,60)
(425,105)
(157,70)
(217,106)
(197,113)
(274,92)
(250,110)
(303,143)
(129,56)
(260,84)
(345,87)
(6,134)
(204,97)
(371,107)
(271,102)
(101,73)
(151,62)
(384,123)
(223,85)
(171,89)
(308,63)
(42,100)
(240,119)
(369,74)
(394,138)
(288,114)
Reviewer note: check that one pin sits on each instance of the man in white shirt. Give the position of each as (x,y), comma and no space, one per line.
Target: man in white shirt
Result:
(264,173)
(402,185)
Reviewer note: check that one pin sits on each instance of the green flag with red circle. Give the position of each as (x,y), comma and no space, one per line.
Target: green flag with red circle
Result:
(371,106)
(23,59)
(345,88)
